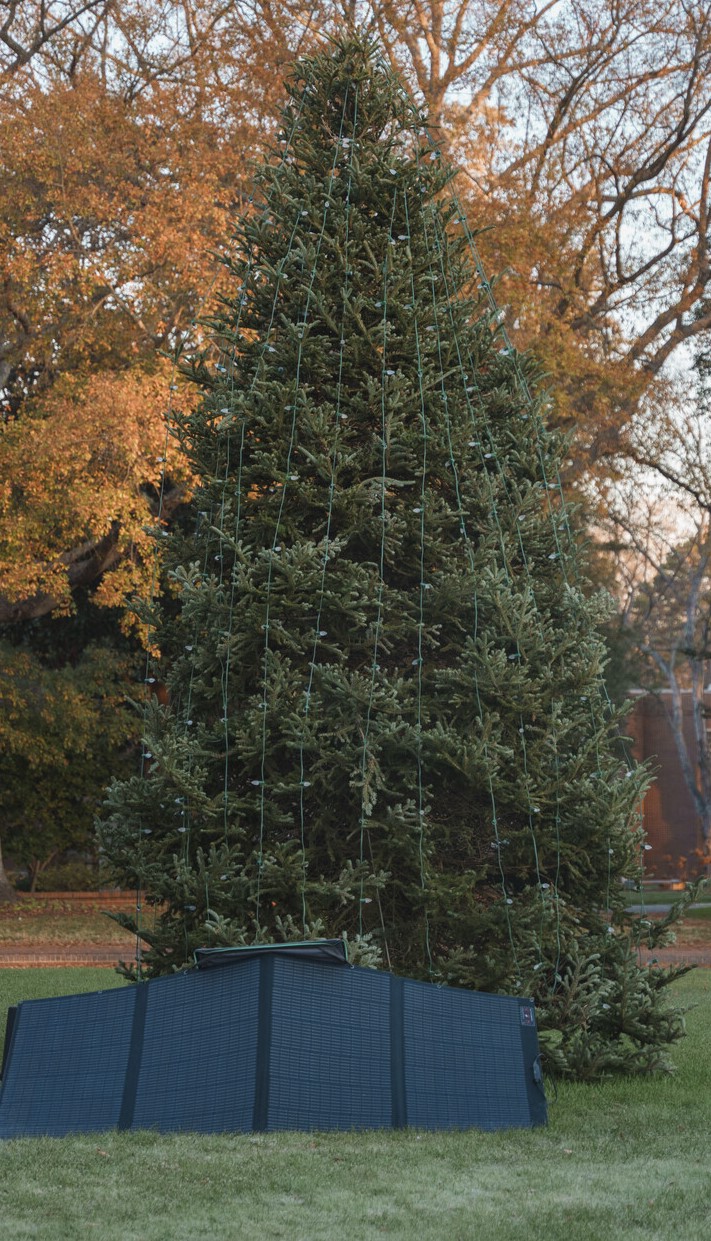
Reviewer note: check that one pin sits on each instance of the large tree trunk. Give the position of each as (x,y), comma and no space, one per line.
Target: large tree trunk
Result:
(7,892)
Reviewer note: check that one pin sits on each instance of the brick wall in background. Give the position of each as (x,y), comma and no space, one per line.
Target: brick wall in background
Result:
(670,820)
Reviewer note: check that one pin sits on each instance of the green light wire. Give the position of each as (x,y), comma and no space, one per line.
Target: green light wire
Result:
(557,485)
(185,828)
(524,388)
(507,900)
(329,517)
(151,598)
(230,371)
(563,512)
(420,623)
(226,665)
(538,430)
(284,489)
(381,576)
(548,488)
(466,376)
(238,492)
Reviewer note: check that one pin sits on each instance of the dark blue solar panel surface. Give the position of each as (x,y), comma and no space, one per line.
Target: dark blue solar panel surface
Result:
(67,1064)
(199,1051)
(464,1062)
(272,1043)
(330,1048)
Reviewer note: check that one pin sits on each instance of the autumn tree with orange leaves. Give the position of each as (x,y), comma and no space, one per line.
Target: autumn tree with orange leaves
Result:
(124,147)
(582,132)
(118,180)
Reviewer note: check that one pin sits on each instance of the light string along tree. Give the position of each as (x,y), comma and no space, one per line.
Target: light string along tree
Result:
(386,716)
(186,342)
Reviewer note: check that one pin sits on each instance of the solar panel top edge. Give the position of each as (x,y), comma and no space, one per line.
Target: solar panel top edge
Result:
(288,946)
(70,995)
(191,972)
(316,963)
(76,995)
(434,986)
(284,950)
(331,952)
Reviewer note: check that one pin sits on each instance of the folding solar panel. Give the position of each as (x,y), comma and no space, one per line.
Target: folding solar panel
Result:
(272,1041)
(66,1064)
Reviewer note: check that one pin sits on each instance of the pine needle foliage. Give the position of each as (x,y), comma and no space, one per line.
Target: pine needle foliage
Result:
(386,718)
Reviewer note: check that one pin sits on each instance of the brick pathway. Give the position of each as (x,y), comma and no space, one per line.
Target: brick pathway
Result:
(44,954)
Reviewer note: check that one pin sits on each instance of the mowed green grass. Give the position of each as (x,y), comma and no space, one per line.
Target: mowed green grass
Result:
(666,896)
(621,1161)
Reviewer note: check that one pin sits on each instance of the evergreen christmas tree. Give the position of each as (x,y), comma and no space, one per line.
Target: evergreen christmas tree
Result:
(386,716)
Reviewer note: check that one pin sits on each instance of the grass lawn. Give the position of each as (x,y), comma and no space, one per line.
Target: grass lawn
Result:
(622,1161)
(696,927)
(667,896)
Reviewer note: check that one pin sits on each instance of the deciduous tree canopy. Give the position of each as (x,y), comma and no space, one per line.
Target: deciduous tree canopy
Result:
(582,131)
(62,732)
